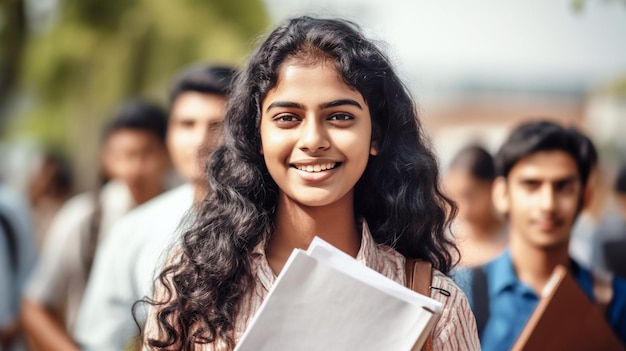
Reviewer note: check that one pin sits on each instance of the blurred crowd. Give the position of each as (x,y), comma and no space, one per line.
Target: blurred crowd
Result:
(480,230)
(72,265)
(64,278)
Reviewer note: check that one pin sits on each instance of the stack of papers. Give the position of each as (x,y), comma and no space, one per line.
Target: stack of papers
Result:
(324,299)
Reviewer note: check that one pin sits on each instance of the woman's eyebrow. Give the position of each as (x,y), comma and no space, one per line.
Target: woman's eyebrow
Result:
(335,103)
(341,102)
(288,104)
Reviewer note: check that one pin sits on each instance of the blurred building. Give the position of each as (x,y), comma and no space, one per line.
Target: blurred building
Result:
(484,113)
(478,68)
(605,118)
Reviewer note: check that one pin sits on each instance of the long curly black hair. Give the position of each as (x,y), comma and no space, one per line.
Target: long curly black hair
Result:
(398,195)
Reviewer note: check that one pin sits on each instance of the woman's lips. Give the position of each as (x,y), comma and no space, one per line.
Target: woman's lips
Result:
(315,172)
(310,167)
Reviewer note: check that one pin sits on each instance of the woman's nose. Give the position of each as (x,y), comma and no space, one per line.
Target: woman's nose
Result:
(314,136)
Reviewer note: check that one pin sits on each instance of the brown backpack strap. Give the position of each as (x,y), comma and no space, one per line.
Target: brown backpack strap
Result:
(419,275)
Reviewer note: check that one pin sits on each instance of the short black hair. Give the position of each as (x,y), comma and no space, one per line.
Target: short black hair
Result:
(62,176)
(588,150)
(620,181)
(208,79)
(139,114)
(476,160)
(532,137)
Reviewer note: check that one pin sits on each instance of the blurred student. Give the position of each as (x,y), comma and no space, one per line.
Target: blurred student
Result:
(599,235)
(49,186)
(135,161)
(542,170)
(479,232)
(123,271)
(584,245)
(17,258)
(612,232)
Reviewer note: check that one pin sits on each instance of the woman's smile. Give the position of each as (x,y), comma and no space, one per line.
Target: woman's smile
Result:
(316,172)
(310,168)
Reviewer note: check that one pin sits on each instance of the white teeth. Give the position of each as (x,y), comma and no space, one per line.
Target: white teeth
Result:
(316,168)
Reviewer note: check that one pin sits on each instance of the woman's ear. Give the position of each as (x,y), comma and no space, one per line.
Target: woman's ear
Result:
(374,147)
(374,144)
(499,195)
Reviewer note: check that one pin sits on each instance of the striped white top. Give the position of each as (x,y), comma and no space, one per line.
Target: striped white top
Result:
(454,331)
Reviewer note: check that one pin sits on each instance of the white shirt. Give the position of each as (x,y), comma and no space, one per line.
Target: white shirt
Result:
(61,275)
(124,270)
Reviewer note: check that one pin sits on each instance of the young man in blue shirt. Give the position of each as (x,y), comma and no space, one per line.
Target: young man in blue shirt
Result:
(542,174)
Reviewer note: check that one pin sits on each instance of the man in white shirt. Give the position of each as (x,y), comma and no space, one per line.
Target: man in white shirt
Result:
(128,260)
(134,158)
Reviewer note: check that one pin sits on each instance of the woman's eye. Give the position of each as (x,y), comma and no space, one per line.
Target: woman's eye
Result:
(285,118)
(340,117)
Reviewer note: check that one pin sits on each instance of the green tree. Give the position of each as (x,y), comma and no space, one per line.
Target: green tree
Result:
(100,52)
(12,40)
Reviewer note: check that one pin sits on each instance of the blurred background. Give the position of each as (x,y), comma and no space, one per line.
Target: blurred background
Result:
(64,65)
(476,68)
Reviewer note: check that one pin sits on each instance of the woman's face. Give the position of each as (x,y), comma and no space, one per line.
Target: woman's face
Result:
(315,134)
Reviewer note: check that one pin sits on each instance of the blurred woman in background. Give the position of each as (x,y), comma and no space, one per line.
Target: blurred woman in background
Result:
(49,186)
(479,233)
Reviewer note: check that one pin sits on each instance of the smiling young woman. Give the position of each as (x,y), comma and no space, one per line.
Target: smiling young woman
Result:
(301,133)
(321,139)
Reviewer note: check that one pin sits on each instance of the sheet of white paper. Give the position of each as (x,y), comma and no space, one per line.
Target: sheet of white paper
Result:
(314,306)
(325,252)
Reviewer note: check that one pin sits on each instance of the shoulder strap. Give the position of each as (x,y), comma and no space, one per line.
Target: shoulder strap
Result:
(419,275)
(480,297)
(91,236)
(11,240)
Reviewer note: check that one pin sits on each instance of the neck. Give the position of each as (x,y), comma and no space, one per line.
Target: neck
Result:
(534,264)
(143,195)
(297,225)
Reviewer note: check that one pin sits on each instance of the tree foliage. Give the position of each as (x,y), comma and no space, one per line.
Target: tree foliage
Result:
(12,39)
(100,52)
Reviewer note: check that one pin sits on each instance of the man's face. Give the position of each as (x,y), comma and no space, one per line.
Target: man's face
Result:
(137,158)
(195,123)
(542,197)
